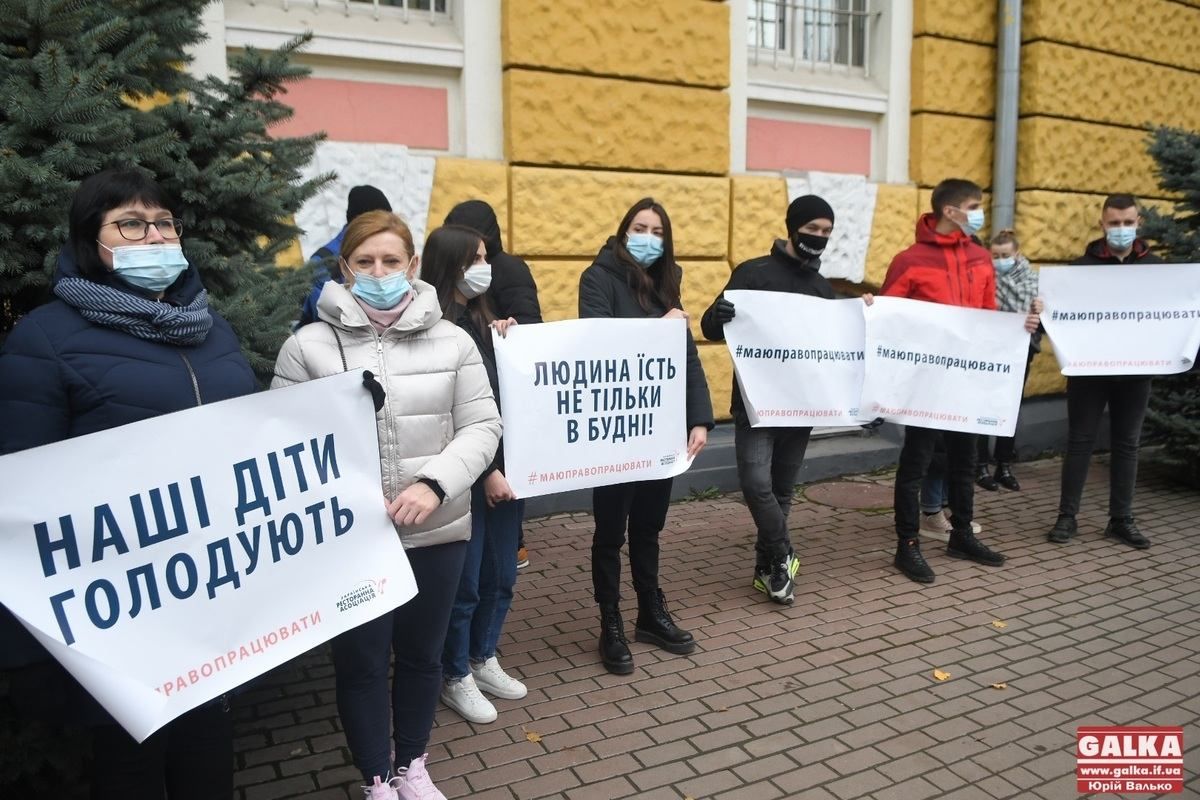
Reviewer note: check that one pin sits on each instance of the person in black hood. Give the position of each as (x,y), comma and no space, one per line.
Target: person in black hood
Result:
(769,459)
(1125,396)
(635,276)
(513,291)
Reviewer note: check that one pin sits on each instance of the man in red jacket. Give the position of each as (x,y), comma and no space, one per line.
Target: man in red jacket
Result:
(945,265)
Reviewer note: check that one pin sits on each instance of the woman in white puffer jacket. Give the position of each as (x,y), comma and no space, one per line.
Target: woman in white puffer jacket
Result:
(438,431)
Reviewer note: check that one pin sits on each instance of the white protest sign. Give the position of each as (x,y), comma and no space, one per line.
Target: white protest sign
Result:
(945,367)
(1122,319)
(592,402)
(166,562)
(798,359)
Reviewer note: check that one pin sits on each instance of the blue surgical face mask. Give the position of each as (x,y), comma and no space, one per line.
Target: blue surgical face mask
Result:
(1004,265)
(974,223)
(152,267)
(646,248)
(1120,238)
(381,293)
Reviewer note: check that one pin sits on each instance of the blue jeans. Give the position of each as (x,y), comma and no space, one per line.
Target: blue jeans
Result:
(416,632)
(485,590)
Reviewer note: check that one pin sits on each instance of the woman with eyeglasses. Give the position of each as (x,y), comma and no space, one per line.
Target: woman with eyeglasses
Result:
(129,336)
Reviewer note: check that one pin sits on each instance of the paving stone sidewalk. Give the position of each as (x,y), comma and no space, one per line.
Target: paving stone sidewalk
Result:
(833,697)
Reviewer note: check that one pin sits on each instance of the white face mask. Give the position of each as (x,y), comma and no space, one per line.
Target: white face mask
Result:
(476,280)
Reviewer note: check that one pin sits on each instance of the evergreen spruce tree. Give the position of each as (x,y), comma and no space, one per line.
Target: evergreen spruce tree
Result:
(87,85)
(1174,414)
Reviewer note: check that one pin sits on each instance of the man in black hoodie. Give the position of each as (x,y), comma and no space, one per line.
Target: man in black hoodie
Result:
(513,291)
(769,459)
(1125,396)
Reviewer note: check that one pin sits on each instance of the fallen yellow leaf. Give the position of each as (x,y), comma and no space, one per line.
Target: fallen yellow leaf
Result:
(940,675)
(532,736)
(999,685)
(998,624)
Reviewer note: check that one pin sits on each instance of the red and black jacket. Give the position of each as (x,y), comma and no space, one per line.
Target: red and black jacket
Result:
(948,268)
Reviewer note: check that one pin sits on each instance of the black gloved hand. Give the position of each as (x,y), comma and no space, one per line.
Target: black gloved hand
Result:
(375,388)
(723,310)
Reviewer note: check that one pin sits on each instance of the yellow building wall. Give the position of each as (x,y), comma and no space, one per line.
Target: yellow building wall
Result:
(1096,76)
(579,76)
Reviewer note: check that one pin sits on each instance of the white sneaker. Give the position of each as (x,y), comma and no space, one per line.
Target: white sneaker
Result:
(938,525)
(463,696)
(935,523)
(380,790)
(491,678)
(414,783)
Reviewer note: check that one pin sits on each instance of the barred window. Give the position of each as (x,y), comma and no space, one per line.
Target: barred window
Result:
(798,33)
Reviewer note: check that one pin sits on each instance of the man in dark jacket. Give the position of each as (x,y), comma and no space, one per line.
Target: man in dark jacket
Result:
(1125,396)
(946,265)
(769,459)
(323,262)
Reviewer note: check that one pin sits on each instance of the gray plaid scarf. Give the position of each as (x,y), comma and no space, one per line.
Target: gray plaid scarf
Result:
(1017,290)
(137,316)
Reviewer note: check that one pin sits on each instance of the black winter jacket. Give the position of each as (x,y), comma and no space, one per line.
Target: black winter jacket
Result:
(487,354)
(604,291)
(1097,252)
(513,290)
(776,272)
(62,376)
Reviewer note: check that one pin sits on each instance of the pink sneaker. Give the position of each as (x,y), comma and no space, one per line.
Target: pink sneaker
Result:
(379,791)
(414,783)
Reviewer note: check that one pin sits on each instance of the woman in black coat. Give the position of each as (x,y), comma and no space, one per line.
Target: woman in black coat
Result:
(129,337)
(635,277)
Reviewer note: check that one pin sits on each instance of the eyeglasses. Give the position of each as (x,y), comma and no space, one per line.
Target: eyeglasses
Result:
(134,230)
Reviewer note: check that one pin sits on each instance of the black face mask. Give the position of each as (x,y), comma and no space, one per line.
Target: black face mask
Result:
(808,245)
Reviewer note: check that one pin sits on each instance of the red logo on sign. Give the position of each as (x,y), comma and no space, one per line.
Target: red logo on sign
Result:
(1129,760)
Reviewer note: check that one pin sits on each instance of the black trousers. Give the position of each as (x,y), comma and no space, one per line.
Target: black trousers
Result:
(416,633)
(1126,399)
(915,457)
(189,759)
(641,507)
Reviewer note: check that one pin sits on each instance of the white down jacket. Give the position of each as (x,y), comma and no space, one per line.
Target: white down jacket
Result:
(439,420)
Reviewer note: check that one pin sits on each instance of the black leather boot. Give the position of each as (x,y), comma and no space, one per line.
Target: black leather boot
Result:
(910,561)
(963,544)
(655,626)
(1127,531)
(614,647)
(1005,478)
(1064,529)
(984,479)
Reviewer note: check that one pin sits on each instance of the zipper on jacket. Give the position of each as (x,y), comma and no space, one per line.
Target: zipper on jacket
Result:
(192,375)
(387,411)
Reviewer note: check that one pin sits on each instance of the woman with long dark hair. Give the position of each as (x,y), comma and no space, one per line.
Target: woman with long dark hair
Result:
(455,264)
(635,276)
